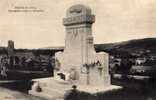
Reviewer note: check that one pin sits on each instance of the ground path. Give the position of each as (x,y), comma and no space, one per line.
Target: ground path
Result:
(7,94)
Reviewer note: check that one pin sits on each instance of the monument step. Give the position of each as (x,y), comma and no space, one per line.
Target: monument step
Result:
(41,95)
(56,88)
(57,84)
(53,91)
(52,88)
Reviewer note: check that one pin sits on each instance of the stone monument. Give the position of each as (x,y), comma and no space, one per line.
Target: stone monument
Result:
(10,48)
(11,52)
(79,61)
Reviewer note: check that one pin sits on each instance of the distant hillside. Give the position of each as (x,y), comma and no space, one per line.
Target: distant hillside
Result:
(131,46)
(53,48)
(3,50)
(136,46)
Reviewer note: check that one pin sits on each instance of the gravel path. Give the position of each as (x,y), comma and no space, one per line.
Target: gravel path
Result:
(6,94)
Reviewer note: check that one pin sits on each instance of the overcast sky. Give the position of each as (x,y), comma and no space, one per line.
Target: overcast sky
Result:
(116,20)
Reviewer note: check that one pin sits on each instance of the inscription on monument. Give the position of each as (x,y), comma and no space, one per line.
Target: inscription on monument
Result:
(79,19)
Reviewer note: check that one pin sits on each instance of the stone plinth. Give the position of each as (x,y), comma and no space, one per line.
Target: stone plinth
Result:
(79,48)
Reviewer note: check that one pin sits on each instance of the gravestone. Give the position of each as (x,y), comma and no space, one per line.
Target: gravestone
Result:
(79,51)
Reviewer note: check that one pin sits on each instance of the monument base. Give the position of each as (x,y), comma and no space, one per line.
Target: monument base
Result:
(74,71)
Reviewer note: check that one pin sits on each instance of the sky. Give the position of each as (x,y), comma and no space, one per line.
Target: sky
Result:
(116,20)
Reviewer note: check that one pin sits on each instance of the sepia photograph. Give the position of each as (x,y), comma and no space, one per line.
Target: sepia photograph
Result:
(77,50)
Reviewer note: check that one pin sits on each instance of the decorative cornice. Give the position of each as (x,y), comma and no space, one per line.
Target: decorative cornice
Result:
(79,20)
